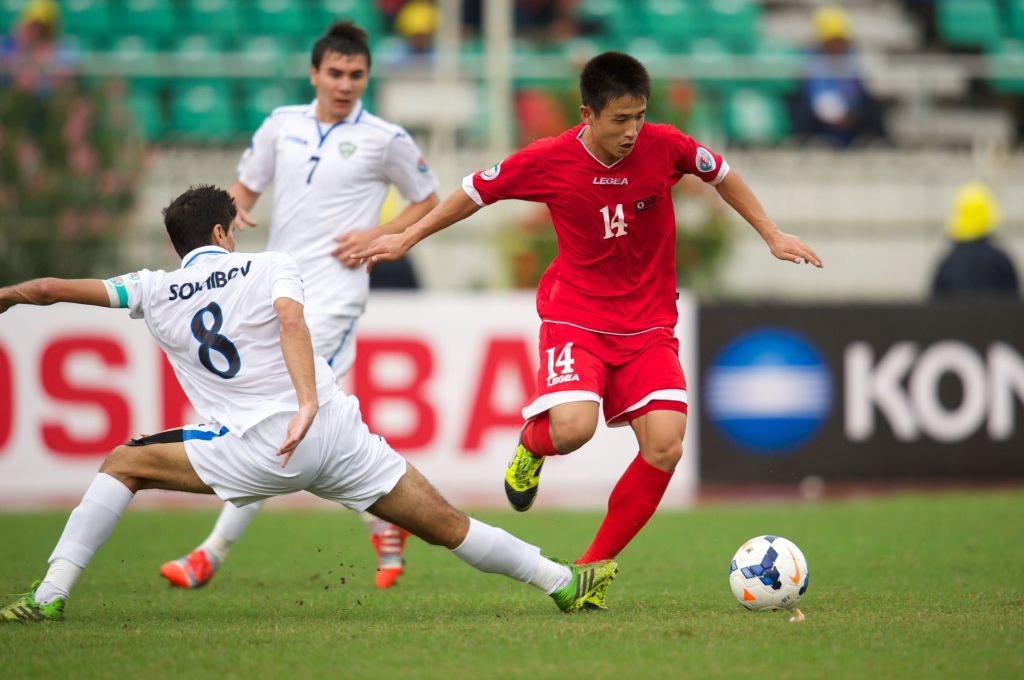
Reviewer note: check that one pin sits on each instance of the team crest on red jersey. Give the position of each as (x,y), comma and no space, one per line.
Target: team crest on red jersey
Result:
(491,172)
(705,161)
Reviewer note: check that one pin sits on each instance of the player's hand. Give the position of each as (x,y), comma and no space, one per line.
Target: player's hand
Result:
(243,219)
(789,247)
(387,247)
(298,426)
(351,242)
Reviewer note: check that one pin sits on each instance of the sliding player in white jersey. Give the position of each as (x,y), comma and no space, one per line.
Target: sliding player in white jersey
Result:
(331,163)
(232,327)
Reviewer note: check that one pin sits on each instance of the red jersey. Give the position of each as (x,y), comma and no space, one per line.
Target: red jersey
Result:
(615,271)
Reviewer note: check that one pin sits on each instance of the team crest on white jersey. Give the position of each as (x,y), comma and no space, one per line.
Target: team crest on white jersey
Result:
(491,172)
(346,149)
(705,161)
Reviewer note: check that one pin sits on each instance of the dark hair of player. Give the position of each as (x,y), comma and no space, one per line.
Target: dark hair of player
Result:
(191,217)
(611,75)
(343,37)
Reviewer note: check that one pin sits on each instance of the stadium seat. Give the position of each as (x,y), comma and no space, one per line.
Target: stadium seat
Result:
(753,116)
(137,59)
(364,14)
(259,98)
(88,22)
(1015,12)
(266,55)
(203,112)
(155,20)
(776,66)
(711,66)
(735,22)
(289,21)
(146,108)
(611,19)
(221,19)
(674,24)
(969,23)
(1005,67)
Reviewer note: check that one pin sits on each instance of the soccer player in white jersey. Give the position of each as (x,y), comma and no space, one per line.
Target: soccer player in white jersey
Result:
(232,327)
(331,163)
(607,302)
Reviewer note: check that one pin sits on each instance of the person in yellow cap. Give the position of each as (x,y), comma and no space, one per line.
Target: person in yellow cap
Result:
(834,105)
(32,59)
(975,267)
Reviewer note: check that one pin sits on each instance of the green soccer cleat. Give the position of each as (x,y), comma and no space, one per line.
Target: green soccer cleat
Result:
(597,601)
(522,477)
(27,610)
(587,579)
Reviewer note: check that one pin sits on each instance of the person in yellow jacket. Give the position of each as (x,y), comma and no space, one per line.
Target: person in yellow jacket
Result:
(976,266)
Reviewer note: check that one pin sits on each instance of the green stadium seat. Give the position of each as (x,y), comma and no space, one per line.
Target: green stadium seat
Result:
(287,20)
(137,59)
(735,22)
(10,10)
(753,116)
(266,54)
(712,67)
(364,14)
(146,108)
(200,55)
(614,19)
(1005,67)
(259,98)
(1015,12)
(972,24)
(776,66)
(154,19)
(674,24)
(87,21)
(203,112)
(222,19)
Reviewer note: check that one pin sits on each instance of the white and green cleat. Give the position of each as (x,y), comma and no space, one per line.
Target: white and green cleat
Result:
(587,580)
(27,610)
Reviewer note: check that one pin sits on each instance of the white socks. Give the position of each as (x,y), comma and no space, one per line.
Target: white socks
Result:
(496,551)
(231,524)
(88,527)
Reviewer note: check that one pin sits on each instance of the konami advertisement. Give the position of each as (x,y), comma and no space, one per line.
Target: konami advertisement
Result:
(442,376)
(861,392)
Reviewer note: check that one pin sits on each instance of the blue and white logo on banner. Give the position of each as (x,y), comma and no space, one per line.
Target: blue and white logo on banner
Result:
(768,391)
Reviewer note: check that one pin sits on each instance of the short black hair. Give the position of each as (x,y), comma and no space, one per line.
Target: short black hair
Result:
(343,37)
(191,217)
(611,75)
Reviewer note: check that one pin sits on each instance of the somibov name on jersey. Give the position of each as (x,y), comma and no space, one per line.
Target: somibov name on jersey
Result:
(217,279)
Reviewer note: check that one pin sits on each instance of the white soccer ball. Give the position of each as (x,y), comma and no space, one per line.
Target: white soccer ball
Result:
(768,572)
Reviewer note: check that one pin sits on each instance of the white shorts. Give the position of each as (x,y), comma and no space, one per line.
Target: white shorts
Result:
(334,338)
(339,459)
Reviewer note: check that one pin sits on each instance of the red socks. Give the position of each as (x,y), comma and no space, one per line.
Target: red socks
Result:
(632,502)
(537,436)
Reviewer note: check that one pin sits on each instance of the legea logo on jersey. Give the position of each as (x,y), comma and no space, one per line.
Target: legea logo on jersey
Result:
(705,161)
(768,391)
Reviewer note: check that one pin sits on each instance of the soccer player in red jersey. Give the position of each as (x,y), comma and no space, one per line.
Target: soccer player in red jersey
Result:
(607,301)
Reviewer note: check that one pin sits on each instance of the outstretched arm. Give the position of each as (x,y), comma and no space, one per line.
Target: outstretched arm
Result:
(457,207)
(738,194)
(297,349)
(245,199)
(356,240)
(50,290)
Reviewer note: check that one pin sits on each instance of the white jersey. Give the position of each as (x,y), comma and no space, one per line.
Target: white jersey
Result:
(215,320)
(330,179)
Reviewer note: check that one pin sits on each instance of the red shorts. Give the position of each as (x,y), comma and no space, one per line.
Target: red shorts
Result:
(628,373)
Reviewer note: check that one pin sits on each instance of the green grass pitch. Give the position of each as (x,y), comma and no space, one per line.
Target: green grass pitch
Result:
(905,586)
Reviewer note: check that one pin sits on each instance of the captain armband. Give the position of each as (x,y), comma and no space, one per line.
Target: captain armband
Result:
(119,287)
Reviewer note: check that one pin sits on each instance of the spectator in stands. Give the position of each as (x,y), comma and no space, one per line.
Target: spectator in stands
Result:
(416,23)
(32,59)
(975,266)
(834,104)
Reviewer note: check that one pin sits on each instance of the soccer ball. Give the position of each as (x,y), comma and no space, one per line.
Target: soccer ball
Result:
(768,572)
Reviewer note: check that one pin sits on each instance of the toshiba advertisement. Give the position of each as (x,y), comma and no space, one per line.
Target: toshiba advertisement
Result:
(861,392)
(443,377)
